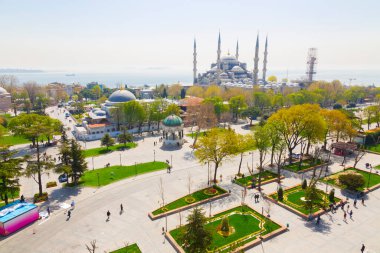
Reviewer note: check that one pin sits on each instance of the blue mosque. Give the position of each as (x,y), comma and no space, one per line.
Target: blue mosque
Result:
(229,71)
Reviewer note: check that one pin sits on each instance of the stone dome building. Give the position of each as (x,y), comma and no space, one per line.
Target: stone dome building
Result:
(120,96)
(5,100)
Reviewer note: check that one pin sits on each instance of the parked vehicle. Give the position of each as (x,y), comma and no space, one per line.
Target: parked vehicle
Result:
(62,178)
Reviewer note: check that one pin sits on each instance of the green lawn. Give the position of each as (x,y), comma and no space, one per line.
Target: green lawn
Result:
(129,249)
(374,180)
(248,225)
(103,150)
(190,199)
(292,198)
(374,148)
(11,140)
(115,173)
(193,134)
(247,181)
(295,167)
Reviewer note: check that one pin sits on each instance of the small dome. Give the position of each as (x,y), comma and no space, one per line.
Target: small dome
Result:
(121,96)
(3,91)
(99,112)
(228,58)
(172,121)
(237,69)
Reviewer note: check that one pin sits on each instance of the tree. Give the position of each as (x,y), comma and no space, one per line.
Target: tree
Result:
(124,138)
(313,197)
(236,105)
(272,79)
(32,90)
(10,171)
(219,106)
(97,91)
(280,194)
(203,117)
(274,139)
(251,113)
(78,162)
(196,238)
(244,144)
(172,109)
(213,91)
(262,144)
(352,180)
(183,93)
(92,247)
(291,123)
(195,91)
(107,141)
(175,90)
(216,146)
(36,168)
(34,127)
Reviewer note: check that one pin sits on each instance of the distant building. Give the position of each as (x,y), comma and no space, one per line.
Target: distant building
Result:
(229,71)
(5,100)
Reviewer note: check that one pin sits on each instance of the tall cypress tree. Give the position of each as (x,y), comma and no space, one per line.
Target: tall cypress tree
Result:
(78,162)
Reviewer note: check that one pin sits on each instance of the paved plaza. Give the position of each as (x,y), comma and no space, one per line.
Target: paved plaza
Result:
(140,195)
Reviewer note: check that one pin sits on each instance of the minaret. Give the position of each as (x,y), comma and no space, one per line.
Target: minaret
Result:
(195,63)
(265,60)
(218,53)
(237,50)
(256,62)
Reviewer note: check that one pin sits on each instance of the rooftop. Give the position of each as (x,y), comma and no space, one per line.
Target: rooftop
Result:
(14,209)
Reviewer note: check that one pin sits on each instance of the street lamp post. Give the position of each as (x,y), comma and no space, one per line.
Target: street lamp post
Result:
(208,173)
(120,159)
(171,161)
(251,153)
(154,155)
(369,175)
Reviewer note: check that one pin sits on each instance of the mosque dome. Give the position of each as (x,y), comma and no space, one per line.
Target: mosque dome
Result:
(121,96)
(228,58)
(99,112)
(237,69)
(172,121)
(3,91)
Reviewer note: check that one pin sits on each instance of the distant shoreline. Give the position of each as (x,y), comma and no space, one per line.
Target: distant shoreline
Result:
(20,71)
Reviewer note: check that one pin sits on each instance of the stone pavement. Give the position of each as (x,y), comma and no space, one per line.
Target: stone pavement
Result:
(140,195)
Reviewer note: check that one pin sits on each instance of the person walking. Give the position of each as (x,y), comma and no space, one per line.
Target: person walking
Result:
(351,214)
(363,201)
(363,248)
(68,214)
(48,210)
(318,219)
(121,208)
(355,201)
(348,207)
(108,215)
(345,216)
(72,204)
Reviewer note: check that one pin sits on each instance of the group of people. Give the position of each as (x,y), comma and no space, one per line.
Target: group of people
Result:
(109,213)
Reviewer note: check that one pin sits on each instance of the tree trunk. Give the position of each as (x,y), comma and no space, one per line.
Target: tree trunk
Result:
(308,147)
(272,155)
(39,170)
(215,171)
(5,190)
(241,160)
(260,170)
(196,137)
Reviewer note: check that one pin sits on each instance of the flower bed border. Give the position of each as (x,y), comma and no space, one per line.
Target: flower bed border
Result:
(246,246)
(308,169)
(365,191)
(183,208)
(295,211)
(262,183)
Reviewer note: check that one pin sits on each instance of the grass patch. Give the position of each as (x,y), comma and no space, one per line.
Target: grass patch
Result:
(128,249)
(306,164)
(103,150)
(197,196)
(373,148)
(333,179)
(193,134)
(247,181)
(10,140)
(292,198)
(248,225)
(115,173)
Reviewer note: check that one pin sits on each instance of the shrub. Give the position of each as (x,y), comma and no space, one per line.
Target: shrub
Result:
(337,106)
(304,184)
(51,184)
(351,180)
(41,198)
(280,194)
(351,105)
(332,195)
(225,225)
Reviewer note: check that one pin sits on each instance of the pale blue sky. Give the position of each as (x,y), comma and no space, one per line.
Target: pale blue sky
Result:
(119,36)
